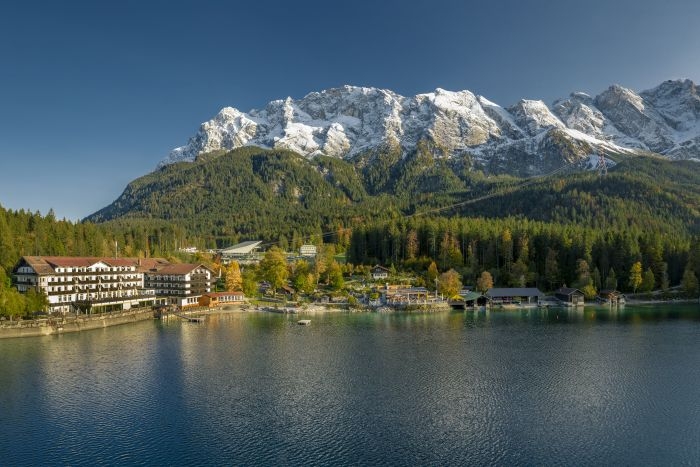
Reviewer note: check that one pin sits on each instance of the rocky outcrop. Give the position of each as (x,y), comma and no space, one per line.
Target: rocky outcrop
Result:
(526,138)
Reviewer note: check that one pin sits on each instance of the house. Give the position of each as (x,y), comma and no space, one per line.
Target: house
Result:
(514,295)
(84,284)
(214,299)
(573,297)
(379,272)
(611,296)
(286,291)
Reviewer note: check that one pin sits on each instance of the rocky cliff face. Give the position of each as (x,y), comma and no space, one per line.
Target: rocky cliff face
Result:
(525,139)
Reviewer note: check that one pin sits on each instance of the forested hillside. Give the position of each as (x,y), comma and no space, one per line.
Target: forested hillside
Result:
(278,195)
(525,231)
(27,233)
(250,193)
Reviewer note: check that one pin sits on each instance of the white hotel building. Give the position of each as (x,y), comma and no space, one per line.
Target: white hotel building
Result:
(92,284)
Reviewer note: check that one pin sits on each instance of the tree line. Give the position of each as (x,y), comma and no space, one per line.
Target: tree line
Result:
(520,252)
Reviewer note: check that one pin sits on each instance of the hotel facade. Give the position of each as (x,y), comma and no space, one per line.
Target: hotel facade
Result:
(97,284)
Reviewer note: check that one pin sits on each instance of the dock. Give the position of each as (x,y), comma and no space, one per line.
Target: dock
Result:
(191,319)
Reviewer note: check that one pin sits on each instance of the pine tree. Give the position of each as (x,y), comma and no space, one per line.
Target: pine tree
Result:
(551,268)
(648,281)
(597,283)
(689,283)
(611,280)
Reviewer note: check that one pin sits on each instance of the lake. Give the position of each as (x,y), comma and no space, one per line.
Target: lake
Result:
(536,387)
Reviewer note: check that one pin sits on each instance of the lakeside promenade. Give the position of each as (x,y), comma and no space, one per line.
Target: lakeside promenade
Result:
(71,323)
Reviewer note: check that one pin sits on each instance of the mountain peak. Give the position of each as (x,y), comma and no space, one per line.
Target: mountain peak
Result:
(348,121)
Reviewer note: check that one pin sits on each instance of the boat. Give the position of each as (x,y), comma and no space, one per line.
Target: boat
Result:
(304,322)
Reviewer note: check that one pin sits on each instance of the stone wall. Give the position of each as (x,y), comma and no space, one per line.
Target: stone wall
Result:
(71,323)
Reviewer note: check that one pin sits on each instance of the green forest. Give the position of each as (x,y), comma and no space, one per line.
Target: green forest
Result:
(571,228)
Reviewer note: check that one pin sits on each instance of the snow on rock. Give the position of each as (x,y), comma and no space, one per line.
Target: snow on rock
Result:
(347,121)
(534,117)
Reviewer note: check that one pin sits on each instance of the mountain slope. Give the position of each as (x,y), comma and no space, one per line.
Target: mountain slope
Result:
(257,193)
(249,191)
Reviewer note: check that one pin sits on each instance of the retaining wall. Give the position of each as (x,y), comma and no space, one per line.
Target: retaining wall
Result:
(71,323)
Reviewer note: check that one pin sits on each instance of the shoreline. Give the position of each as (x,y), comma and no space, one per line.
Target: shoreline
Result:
(71,324)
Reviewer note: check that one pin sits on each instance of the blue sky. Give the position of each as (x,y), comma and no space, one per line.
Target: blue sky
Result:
(94,94)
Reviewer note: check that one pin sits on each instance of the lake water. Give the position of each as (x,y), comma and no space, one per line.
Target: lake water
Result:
(551,387)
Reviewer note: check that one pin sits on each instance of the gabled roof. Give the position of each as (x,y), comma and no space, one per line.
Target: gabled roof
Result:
(48,264)
(514,292)
(148,264)
(469,296)
(567,291)
(177,269)
(378,267)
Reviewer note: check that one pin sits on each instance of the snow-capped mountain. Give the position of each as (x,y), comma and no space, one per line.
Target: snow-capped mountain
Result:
(526,138)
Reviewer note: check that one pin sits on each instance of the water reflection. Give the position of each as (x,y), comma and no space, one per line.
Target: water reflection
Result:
(602,314)
(535,386)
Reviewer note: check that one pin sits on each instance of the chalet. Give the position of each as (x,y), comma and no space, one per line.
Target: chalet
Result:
(286,291)
(573,297)
(379,272)
(516,295)
(214,299)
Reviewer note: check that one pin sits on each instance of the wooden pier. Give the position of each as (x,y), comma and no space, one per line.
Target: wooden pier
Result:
(191,319)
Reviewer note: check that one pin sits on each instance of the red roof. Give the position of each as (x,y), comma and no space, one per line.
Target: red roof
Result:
(48,264)
(184,268)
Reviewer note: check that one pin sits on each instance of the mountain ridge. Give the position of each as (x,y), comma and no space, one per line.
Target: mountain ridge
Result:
(523,139)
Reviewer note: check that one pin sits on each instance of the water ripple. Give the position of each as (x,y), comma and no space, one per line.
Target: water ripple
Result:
(446,389)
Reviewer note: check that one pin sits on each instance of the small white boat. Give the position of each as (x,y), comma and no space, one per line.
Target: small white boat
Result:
(304,322)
